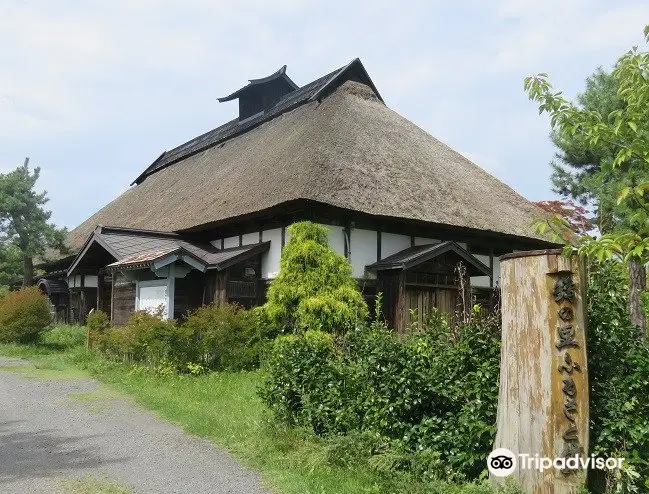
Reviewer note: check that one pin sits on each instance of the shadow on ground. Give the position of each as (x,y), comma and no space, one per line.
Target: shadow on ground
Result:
(29,454)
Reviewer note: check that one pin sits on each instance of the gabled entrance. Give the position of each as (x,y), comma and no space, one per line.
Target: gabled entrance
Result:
(419,279)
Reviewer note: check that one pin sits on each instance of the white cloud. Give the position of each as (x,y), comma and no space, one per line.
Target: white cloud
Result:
(90,86)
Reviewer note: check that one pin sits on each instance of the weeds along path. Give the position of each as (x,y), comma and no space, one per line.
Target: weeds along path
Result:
(67,433)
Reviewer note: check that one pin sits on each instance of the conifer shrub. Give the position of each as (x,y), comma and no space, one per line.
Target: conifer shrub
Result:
(24,315)
(314,289)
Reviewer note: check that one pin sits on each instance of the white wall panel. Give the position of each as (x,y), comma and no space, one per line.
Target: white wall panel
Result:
(480,281)
(270,259)
(90,281)
(250,238)
(363,250)
(336,238)
(231,242)
(391,243)
(426,241)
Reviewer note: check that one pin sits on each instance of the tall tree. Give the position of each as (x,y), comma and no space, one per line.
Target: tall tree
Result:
(624,133)
(583,171)
(577,171)
(24,221)
(11,265)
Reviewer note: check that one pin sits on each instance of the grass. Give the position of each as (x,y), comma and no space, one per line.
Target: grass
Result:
(224,407)
(93,485)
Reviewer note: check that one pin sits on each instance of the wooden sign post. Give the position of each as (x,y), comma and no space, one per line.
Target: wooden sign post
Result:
(543,400)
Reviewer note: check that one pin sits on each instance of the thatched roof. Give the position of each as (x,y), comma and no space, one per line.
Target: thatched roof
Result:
(347,150)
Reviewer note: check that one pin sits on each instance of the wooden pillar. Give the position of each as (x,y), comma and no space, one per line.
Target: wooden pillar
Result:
(171,290)
(100,280)
(402,319)
(112,297)
(543,399)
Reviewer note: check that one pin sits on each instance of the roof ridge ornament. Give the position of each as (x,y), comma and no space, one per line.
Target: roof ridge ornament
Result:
(281,73)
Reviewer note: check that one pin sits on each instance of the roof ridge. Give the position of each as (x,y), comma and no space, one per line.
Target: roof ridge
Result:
(302,95)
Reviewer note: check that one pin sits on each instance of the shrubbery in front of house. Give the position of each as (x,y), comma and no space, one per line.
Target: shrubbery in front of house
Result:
(64,337)
(226,337)
(24,315)
(213,337)
(314,289)
(428,399)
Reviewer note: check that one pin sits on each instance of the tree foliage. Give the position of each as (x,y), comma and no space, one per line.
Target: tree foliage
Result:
(314,288)
(574,214)
(11,264)
(612,152)
(582,170)
(618,366)
(625,132)
(24,221)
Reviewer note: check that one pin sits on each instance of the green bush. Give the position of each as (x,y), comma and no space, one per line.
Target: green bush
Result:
(97,323)
(314,288)
(24,315)
(618,364)
(64,337)
(223,337)
(145,338)
(430,395)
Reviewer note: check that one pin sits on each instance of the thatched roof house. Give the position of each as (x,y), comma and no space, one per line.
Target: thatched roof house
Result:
(331,151)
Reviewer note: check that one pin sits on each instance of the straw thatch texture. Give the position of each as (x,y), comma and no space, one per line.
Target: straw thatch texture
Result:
(349,151)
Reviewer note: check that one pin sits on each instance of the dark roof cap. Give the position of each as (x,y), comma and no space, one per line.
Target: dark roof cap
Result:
(281,73)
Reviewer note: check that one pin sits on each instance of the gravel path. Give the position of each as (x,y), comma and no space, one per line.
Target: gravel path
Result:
(55,430)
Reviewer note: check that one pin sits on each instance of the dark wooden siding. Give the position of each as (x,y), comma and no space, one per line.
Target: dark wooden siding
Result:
(189,293)
(123,302)
(82,300)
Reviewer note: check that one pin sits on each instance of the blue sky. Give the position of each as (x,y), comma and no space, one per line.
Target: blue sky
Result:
(93,92)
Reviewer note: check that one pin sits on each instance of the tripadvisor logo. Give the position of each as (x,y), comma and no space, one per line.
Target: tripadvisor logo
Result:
(501,462)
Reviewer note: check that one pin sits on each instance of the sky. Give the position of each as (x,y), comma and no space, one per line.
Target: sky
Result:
(93,92)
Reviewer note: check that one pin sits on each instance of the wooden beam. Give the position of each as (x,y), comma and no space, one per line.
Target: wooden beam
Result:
(491,268)
(378,245)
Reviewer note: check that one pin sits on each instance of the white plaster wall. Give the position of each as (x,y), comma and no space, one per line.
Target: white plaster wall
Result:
(481,281)
(90,281)
(426,241)
(336,238)
(270,258)
(391,243)
(250,238)
(363,250)
(231,242)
